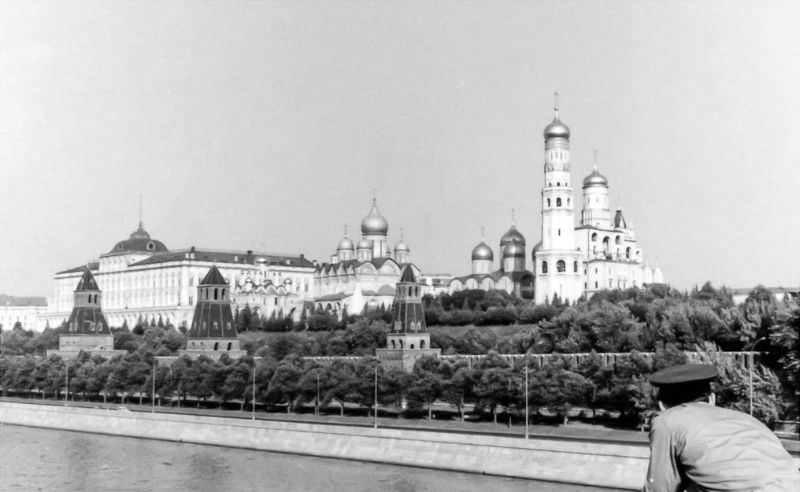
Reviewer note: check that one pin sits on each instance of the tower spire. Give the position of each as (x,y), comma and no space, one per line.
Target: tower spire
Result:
(595,160)
(140,211)
(555,105)
(513,217)
(345,230)
(374,196)
(482,233)
(401,233)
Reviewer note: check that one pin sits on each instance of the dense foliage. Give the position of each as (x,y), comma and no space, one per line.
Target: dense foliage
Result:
(634,321)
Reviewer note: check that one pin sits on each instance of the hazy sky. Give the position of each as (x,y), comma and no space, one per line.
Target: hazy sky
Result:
(265,126)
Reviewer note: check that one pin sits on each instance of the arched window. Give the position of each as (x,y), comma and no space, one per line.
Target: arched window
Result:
(411,346)
(559,231)
(568,202)
(606,241)
(548,202)
(594,236)
(230,344)
(216,345)
(393,344)
(628,252)
(561,267)
(558,183)
(617,240)
(401,343)
(216,293)
(544,267)
(558,202)
(422,344)
(575,267)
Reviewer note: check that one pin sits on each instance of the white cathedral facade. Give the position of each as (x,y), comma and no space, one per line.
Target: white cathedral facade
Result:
(600,252)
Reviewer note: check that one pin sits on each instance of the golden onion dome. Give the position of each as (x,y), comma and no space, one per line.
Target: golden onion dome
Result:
(345,244)
(514,249)
(513,235)
(374,223)
(595,179)
(482,252)
(556,129)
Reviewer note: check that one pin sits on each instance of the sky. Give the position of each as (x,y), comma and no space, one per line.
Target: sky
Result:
(267,126)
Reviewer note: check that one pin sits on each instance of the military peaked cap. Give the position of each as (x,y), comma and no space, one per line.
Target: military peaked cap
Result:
(685,373)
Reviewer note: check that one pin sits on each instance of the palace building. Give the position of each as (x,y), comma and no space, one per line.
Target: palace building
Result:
(143,281)
(362,275)
(570,261)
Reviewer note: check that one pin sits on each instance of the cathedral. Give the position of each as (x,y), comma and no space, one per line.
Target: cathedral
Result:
(570,261)
(364,274)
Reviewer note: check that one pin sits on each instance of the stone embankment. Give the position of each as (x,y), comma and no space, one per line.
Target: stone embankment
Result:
(590,463)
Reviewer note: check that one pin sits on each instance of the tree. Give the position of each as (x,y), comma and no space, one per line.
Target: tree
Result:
(426,384)
(284,387)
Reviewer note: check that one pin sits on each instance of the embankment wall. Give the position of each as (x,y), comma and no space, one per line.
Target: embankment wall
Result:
(599,464)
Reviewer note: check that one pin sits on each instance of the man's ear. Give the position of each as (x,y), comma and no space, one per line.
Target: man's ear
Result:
(661,405)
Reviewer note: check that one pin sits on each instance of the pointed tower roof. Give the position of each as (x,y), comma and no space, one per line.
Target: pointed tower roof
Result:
(619,220)
(213,277)
(408,275)
(87,282)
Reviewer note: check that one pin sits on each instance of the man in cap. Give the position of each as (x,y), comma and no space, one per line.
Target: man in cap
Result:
(697,446)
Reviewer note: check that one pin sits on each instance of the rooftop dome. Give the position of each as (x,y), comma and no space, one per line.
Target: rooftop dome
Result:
(514,249)
(535,249)
(556,129)
(374,223)
(401,246)
(513,235)
(364,244)
(345,243)
(139,241)
(482,252)
(595,179)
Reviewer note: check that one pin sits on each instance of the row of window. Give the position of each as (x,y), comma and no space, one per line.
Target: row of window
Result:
(561,266)
(410,346)
(558,202)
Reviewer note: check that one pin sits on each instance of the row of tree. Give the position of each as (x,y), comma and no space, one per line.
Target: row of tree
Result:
(490,386)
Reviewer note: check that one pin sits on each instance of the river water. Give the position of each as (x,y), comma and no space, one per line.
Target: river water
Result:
(50,460)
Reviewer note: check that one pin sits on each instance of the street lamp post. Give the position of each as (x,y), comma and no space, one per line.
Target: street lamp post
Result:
(375,412)
(253,404)
(66,382)
(526,400)
(316,403)
(153,389)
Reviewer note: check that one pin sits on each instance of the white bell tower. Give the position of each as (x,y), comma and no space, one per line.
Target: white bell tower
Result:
(558,263)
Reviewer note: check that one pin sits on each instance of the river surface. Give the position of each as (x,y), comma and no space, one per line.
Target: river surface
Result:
(34,459)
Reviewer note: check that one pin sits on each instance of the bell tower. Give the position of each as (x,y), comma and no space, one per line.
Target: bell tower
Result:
(557,264)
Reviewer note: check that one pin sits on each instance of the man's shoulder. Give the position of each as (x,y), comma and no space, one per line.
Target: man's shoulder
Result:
(687,412)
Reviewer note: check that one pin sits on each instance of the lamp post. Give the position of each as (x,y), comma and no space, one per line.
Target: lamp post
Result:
(253,404)
(153,389)
(375,412)
(66,382)
(526,400)
(316,403)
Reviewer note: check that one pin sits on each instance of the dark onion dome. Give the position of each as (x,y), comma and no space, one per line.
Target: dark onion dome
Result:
(482,252)
(139,241)
(513,235)
(374,223)
(364,244)
(556,129)
(514,249)
(402,246)
(345,243)
(595,179)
